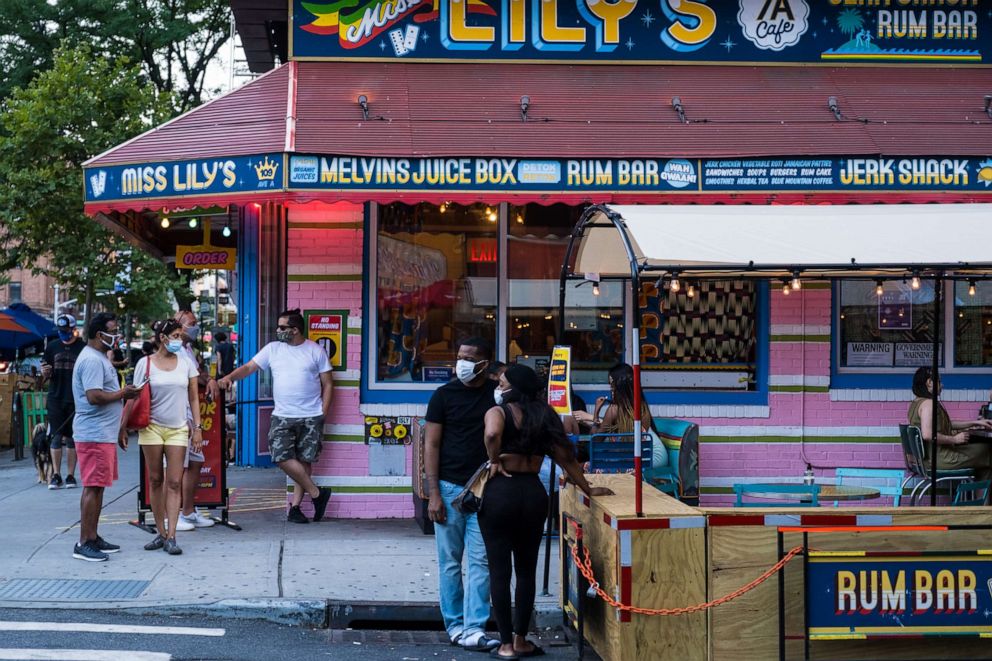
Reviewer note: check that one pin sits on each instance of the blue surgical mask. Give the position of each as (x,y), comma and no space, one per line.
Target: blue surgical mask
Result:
(174,346)
(66,336)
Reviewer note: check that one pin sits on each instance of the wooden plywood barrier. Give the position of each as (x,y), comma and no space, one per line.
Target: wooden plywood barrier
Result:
(657,561)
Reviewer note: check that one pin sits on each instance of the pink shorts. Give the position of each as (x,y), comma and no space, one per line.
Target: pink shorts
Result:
(97,463)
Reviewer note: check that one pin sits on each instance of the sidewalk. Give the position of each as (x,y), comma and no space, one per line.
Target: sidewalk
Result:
(328,573)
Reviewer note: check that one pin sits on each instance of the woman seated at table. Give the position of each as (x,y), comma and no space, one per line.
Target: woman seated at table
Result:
(954,450)
(619,415)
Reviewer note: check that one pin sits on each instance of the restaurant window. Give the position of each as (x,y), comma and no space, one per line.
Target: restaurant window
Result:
(703,336)
(893,331)
(537,237)
(13,293)
(436,283)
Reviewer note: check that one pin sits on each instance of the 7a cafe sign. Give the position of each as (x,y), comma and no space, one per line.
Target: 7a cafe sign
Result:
(206,257)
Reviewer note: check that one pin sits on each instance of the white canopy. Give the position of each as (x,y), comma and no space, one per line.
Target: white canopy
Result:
(819,240)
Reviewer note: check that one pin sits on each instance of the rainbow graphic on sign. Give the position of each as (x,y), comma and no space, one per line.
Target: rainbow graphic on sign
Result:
(358,22)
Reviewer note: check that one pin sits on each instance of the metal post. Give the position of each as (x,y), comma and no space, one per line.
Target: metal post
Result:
(635,354)
(938,286)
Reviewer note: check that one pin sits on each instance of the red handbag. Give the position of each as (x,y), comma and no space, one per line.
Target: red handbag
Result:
(141,413)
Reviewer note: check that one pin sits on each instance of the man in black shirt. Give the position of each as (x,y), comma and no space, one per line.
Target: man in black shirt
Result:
(225,350)
(454,450)
(60,358)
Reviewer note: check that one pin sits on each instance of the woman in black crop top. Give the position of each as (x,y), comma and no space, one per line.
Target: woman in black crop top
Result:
(520,431)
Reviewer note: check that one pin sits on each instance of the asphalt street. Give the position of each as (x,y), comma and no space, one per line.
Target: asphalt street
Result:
(115,636)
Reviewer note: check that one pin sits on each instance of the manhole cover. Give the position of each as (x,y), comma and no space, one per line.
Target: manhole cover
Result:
(51,589)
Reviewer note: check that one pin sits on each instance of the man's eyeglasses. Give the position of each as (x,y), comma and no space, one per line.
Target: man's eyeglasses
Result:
(281,327)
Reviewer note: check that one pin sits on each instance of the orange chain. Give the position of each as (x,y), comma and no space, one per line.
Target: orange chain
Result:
(586,569)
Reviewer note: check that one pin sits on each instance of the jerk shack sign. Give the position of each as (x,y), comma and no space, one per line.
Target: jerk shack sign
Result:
(944,32)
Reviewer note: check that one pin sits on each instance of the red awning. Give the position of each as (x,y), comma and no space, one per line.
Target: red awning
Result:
(582,111)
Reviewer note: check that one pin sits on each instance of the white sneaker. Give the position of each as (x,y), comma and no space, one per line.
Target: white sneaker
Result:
(182,525)
(197,520)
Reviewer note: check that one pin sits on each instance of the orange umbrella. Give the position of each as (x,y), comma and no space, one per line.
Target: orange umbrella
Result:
(8,323)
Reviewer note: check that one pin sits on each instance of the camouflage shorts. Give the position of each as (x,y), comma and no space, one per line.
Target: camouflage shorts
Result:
(296,438)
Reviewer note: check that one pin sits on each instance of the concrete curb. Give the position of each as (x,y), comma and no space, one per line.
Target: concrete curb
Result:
(292,612)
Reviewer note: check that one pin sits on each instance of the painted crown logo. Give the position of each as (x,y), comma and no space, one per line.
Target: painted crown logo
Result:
(266,170)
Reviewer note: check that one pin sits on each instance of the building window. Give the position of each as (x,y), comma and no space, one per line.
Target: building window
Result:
(436,284)
(443,273)
(13,293)
(893,332)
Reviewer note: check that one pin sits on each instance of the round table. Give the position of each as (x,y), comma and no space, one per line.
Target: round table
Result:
(827,492)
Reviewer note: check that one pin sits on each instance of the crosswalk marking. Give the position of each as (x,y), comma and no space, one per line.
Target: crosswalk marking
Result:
(8,654)
(96,627)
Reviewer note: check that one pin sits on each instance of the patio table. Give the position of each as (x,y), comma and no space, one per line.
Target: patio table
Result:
(828,492)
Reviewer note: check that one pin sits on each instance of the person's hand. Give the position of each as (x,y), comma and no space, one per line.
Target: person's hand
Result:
(583,416)
(600,491)
(960,438)
(983,424)
(130,392)
(197,440)
(224,383)
(435,509)
(213,392)
(122,438)
(46,370)
(496,468)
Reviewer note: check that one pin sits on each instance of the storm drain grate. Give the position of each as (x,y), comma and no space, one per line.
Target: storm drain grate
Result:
(51,589)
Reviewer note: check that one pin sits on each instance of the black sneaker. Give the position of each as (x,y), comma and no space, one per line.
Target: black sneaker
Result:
(320,503)
(70,482)
(296,515)
(89,553)
(171,547)
(103,545)
(55,482)
(155,544)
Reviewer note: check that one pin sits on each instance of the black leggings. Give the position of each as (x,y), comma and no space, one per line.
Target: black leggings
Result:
(512,521)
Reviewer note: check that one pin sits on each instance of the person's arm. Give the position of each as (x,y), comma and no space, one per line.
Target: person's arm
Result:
(926,426)
(241,372)
(495,423)
(565,458)
(194,407)
(432,466)
(101,397)
(971,424)
(326,393)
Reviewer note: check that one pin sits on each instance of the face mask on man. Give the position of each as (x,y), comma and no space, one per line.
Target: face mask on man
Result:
(66,336)
(284,335)
(174,346)
(112,342)
(466,370)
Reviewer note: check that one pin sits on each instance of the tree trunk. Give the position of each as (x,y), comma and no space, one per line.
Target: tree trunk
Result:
(88,308)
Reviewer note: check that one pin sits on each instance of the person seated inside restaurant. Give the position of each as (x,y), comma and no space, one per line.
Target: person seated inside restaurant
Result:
(618,417)
(953,448)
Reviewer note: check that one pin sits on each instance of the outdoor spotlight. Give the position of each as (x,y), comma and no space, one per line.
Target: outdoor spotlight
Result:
(677,104)
(796,282)
(165,222)
(226,231)
(524,105)
(971,288)
(832,106)
(988,105)
(363,102)
(192,223)
(915,282)
(879,288)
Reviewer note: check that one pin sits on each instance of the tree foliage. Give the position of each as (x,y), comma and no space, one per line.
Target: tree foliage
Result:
(174,40)
(78,108)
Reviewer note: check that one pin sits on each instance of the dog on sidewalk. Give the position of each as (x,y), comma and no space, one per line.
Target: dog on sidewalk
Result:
(42,452)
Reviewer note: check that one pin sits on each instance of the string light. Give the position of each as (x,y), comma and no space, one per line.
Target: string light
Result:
(520,219)
(595,289)
(786,289)
(690,291)
(971,288)
(879,288)
(165,222)
(674,285)
(443,207)
(192,223)
(915,282)
(796,283)
(226,231)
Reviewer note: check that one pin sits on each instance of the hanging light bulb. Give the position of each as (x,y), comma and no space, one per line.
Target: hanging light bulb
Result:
(165,222)
(520,219)
(690,291)
(915,282)
(443,207)
(193,223)
(786,289)
(226,231)
(971,288)
(674,285)
(491,214)
(595,289)
(796,282)
(879,288)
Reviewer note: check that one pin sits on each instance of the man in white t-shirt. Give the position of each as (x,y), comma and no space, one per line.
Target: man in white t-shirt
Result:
(301,388)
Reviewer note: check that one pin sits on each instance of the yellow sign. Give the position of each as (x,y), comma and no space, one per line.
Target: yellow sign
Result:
(205,255)
(560,380)
(328,328)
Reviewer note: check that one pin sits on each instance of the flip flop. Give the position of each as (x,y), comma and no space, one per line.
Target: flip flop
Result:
(496,655)
(537,651)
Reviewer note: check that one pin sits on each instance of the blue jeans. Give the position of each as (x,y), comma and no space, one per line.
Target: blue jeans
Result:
(464,604)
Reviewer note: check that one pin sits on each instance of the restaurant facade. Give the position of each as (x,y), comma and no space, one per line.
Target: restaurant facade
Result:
(411,173)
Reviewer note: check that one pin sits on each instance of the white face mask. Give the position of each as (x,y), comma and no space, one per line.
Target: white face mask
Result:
(465,370)
(498,397)
(109,343)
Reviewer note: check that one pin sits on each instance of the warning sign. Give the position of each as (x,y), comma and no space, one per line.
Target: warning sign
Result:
(329,329)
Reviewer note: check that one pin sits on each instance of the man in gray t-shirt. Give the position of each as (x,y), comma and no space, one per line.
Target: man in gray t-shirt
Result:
(97,395)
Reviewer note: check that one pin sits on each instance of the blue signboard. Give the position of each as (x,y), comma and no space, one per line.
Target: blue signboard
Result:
(647,31)
(854,596)
(264,173)
(210,176)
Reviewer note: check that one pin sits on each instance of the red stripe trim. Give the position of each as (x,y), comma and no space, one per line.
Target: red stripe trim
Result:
(731,520)
(607,519)
(625,589)
(862,528)
(643,524)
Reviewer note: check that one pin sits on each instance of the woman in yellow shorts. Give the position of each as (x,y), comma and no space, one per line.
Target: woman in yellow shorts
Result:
(172,378)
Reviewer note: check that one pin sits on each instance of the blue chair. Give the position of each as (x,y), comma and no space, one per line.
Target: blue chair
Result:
(793,495)
(614,453)
(680,477)
(967,493)
(918,464)
(893,489)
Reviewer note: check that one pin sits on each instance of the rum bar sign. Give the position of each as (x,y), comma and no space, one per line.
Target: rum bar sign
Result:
(859,594)
(943,32)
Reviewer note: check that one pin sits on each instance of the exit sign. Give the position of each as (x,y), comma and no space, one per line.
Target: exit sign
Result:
(482,250)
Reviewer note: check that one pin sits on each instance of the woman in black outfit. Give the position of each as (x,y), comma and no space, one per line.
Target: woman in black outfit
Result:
(520,431)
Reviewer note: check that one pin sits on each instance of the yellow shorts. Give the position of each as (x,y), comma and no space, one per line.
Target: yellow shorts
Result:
(158,435)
